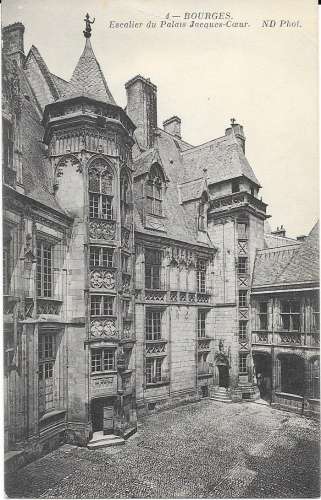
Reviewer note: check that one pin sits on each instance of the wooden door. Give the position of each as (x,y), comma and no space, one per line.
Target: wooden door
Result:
(108,424)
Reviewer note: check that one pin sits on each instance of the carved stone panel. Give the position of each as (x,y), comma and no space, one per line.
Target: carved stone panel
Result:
(103,328)
(100,278)
(102,230)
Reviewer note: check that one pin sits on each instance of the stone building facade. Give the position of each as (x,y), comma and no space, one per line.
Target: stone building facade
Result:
(285,323)
(128,257)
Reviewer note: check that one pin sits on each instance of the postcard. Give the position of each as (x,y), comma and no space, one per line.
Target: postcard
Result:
(160,242)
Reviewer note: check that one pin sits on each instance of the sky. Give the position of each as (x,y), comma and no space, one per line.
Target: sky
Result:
(265,77)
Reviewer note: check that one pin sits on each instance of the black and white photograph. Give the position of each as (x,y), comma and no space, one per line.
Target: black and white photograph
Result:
(160,240)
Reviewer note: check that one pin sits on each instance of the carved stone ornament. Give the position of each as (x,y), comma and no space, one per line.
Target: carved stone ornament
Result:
(103,328)
(125,233)
(102,230)
(102,279)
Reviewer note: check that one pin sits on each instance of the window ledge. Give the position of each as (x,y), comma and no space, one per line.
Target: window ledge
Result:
(157,384)
(49,299)
(108,372)
(159,341)
(162,217)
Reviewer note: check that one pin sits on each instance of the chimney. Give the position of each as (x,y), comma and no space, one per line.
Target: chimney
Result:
(238,132)
(13,43)
(142,109)
(280,231)
(301,238)
(173,126)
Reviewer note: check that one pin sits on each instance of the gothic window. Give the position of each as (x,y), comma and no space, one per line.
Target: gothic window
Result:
(242,330)
(242,265)
(290,315)
(315,378)
(7,145)
(101,305)
(46,360)
(201,324)
(6,264)
(154,191)
(126,308)
(263,315)
(100,191)
(316,315)
(201,216)
(153,370)
(201,276)
(153,325)
(100,257)
(242,362)
(125,263)
(44,269)
(125,196)
(242,230)
(102,360)
(243,298)
(153,262)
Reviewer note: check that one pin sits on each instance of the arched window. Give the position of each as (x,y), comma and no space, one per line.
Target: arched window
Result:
(100,191)
(154,191)
(125,197)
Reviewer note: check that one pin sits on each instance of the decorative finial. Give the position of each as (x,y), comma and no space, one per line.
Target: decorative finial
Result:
(87,32)
(233,121)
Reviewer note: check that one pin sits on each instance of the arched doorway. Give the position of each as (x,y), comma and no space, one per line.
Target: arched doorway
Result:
(223,376)
(263,369)
(292,374)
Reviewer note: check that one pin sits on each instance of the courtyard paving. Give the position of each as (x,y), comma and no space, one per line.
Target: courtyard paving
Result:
(203,450)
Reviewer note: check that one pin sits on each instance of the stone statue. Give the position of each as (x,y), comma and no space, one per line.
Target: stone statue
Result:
(87,31)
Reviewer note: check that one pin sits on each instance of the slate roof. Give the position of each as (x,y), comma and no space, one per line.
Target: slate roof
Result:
(179,224)
(192,190)
(88,79)
(223,158)
(61,84)
(288,264)
(273,241)
(36,173)
(49,77)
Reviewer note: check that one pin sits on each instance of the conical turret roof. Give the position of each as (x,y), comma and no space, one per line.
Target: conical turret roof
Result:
(88,79)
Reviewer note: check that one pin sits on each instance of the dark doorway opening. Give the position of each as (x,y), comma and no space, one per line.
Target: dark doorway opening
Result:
(102,415)
(223,376)
(292,374)
(263,370)
(204,389)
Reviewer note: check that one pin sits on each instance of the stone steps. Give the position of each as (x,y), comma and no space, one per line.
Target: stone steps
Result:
(101,440)
(221,394)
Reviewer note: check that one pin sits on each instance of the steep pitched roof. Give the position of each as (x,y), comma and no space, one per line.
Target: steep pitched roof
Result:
(273,241)
(178,223)
(223,158)
(288,264)
(34,52)
(37,175)
(61,84)
(192,190)
(88,79)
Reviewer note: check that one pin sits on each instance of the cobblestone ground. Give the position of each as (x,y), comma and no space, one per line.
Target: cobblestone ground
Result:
(203,450)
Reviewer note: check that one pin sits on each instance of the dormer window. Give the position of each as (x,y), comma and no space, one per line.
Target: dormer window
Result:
(154,191)
(235,186)
(100,191)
